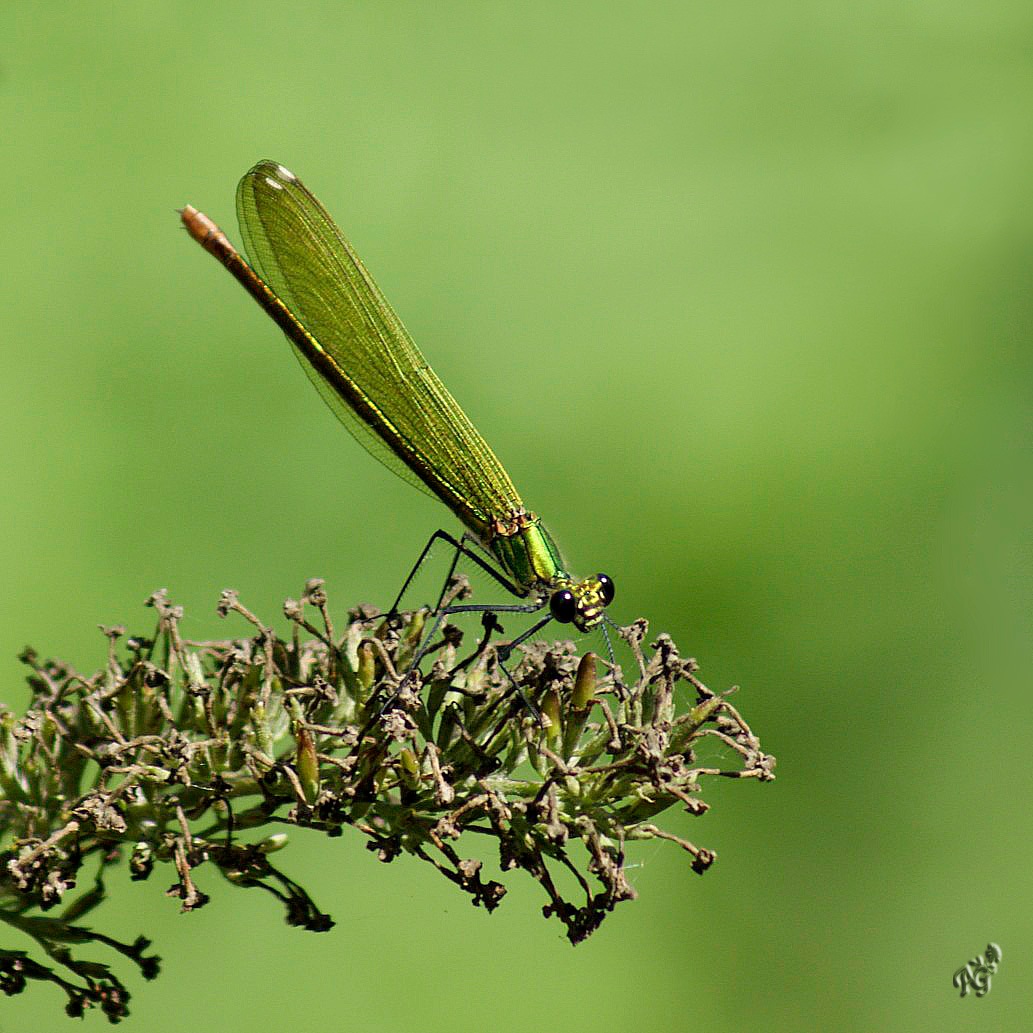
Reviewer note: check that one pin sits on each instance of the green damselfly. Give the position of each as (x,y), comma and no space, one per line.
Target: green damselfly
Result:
(361,359)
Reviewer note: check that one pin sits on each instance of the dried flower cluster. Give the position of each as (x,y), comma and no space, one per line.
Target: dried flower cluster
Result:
(186,754)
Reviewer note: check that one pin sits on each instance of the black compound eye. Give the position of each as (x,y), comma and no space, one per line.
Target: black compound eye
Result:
(606,589)
(563,605)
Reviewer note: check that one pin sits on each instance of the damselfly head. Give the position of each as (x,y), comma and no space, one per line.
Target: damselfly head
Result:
(581,603)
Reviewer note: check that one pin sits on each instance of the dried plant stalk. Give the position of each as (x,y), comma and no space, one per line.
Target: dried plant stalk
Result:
(190,754)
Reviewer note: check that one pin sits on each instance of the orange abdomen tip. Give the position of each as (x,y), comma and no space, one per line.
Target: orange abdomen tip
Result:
(204,231)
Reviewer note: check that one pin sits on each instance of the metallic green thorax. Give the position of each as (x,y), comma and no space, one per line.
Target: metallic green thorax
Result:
(526,551)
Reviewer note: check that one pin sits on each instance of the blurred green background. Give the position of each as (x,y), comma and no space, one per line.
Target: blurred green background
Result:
(740,294)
